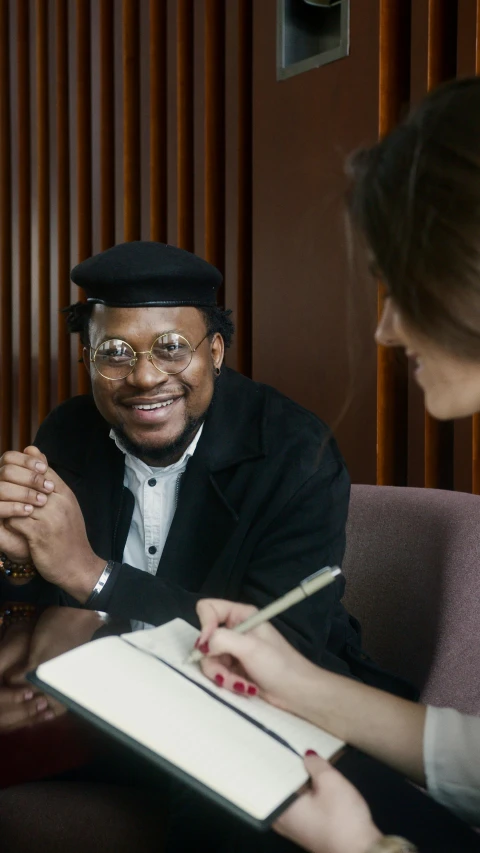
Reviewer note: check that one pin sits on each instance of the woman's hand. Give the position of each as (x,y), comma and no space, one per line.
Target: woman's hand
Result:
(260,661)
(331,816)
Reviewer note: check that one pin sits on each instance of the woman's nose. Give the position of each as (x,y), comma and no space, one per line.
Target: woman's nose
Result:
(387,329)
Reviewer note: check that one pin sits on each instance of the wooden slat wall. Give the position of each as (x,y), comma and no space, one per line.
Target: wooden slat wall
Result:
(133,119)
(113,127)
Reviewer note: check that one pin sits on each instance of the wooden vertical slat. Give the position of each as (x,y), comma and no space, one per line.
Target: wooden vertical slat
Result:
(392,372)
(214,124)
(63,192)
(24,247)
(84,148)
(244,226)
(131,119)
(158,120)
(238,179)
(185,217)
(6,348)
(441,66)
(463,428)
(107,125)
(476,418)
(43,208)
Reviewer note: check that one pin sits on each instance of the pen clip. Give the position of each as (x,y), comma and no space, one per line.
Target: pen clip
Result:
(333,570)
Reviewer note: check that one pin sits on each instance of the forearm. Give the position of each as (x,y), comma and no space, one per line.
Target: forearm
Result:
(384,726)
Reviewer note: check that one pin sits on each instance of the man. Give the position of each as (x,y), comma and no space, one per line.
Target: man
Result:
(179,478)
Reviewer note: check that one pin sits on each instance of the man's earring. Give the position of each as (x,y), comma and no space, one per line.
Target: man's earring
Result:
(217,371)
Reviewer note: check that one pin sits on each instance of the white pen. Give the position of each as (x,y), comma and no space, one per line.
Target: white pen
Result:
(306,588)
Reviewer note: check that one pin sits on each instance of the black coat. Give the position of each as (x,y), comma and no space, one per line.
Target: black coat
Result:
(262,504)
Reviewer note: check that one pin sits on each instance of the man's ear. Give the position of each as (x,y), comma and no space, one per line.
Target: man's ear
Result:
(217,348)
(86,359)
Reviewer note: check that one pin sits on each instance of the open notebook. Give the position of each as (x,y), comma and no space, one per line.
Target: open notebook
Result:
(242,752)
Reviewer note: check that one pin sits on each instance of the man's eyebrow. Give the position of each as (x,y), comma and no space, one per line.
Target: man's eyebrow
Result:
(113,337)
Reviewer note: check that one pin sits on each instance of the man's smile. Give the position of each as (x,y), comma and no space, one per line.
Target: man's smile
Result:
(147,411)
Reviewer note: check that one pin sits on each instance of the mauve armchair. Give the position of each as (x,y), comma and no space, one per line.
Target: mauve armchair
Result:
(413,580)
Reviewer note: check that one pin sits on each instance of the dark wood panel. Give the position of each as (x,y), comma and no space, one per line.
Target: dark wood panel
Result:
(43,206)
(6,346)
(24,246)
(304,288)
(158,120)
(63,192)
(131,120)
(392,369)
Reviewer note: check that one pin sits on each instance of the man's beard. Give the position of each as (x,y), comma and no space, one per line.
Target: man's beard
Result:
(167,454)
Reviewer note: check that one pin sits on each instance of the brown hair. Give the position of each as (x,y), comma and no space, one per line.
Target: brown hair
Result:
(415,196)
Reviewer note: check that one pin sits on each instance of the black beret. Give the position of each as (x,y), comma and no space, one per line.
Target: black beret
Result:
(140,273)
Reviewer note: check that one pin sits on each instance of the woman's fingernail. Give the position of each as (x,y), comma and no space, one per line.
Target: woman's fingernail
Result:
(197,643)
(251,690)
(41,499)
(219,679)
(28,507)
(28,695)
(203,648)
(40,466)
(42,704)
(311,752)
(48,484)
(49,715)
(239,687)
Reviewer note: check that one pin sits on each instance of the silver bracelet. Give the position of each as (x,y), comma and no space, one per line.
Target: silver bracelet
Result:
(101,582)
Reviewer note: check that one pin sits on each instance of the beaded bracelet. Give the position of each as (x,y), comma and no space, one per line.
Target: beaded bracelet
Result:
(16,570)
(15,612)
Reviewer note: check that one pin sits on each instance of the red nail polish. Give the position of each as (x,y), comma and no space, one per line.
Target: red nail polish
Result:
(239,687)
(219,679)
(311,752)
(251,690)
(203,648)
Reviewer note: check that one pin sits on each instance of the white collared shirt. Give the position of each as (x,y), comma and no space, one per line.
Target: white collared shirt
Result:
(155,491)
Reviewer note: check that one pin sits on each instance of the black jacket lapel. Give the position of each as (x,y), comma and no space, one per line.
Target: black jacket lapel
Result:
(206,514)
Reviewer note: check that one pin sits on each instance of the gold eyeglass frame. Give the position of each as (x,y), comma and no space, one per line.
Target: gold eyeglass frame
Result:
(148,353)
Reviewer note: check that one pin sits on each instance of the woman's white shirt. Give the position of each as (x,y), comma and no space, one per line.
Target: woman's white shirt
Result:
(451,752)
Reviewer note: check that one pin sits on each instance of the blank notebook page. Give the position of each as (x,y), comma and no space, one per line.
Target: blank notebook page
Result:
(163,711)
(173,643)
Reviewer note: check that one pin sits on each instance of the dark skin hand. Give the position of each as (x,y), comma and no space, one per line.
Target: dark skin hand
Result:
(25,647)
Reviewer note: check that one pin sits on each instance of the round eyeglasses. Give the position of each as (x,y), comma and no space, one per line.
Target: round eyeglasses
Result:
(170,353)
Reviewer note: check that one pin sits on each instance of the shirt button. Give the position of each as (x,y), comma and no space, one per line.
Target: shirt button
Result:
(152,549)
(152,482)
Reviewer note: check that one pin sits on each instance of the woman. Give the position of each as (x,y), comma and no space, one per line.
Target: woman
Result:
(415,198)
